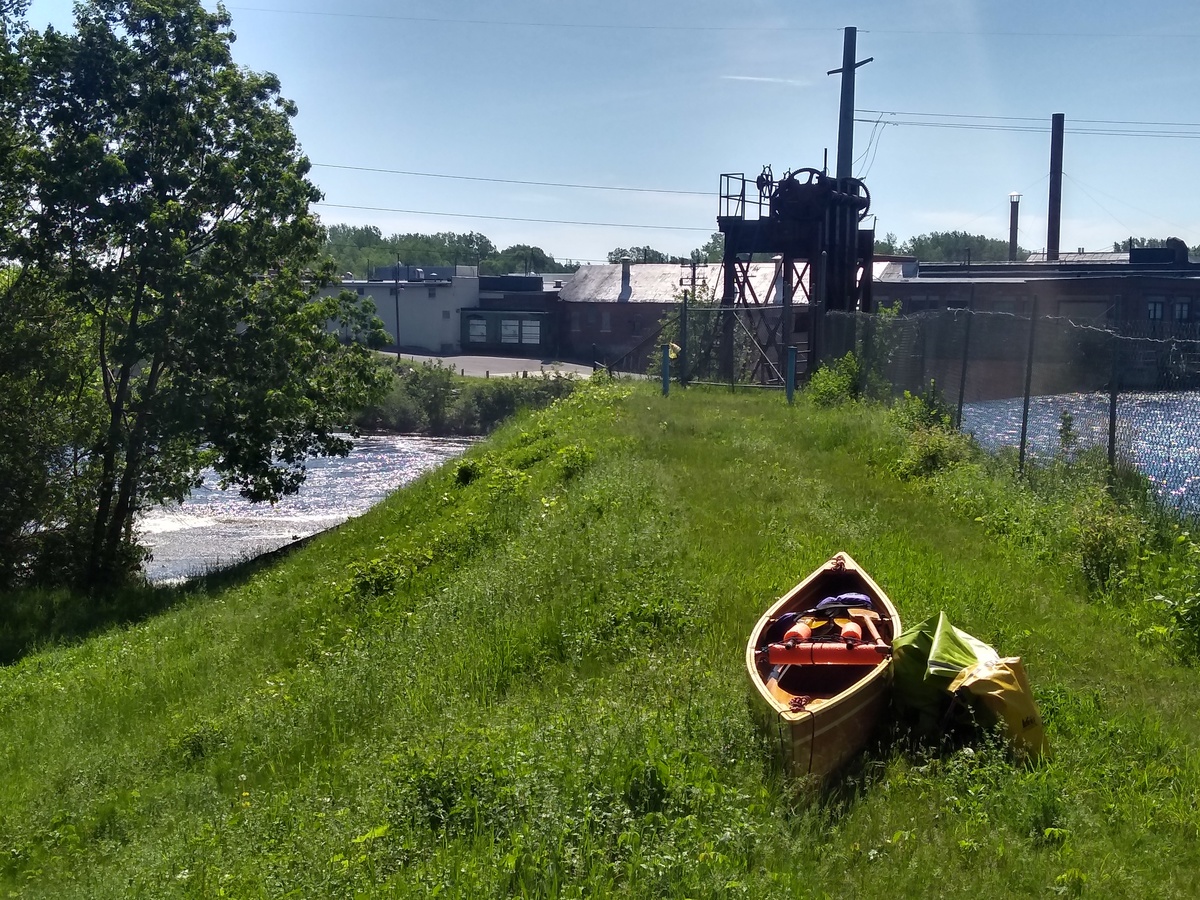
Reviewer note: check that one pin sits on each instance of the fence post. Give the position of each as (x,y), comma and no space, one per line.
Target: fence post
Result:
(816,315)
(1028,385)
(966,358)
(1113,390)
(666,369)
(791,372)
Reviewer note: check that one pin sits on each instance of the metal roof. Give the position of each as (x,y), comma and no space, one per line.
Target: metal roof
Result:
(656,282)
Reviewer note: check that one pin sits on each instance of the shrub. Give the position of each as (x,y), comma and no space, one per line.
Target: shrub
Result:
(833,385)
(928,409)
(931,450)
(431,399)
(1108,541)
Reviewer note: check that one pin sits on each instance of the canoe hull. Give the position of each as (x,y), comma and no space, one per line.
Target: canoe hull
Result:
(824,715)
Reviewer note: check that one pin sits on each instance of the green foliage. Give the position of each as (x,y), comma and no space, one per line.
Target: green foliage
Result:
(430,398)
(711,251)
(932,444)
(929,409)
(931,450)
(523,258)
(529,681)
(949,246)
(358,250)
(165,283)
(833,385)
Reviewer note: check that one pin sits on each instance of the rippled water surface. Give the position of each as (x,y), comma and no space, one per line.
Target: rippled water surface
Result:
(215,528)
(1158,432)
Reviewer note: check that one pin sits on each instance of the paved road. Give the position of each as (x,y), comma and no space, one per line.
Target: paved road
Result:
(480,366)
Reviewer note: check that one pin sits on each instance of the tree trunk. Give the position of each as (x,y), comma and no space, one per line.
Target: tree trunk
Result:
(99,569)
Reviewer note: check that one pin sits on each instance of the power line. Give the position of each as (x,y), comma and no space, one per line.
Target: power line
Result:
(608,26)
(425,212)
(894,112)
(990,209)
(1084,187)
(1102,132)
(590,187)
(635,26)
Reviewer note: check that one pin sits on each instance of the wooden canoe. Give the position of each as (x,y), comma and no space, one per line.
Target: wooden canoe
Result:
(824,707)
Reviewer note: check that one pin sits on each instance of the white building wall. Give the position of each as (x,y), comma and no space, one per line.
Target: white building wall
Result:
(427,312)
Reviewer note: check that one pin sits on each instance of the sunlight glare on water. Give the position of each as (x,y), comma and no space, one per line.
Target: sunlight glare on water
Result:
(215,528)
(1159,433)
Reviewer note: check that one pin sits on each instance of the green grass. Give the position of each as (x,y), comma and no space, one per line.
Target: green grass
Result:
(523,675)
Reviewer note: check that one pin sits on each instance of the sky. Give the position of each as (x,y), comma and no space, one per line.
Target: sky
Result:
(469,115)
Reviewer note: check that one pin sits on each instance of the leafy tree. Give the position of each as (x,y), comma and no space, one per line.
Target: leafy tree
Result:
(643,255)
(50,411)
(524,258)
(949,246)
(359,250)
(712,250)
(1124,246)
(173,218)
(888,245)
(1138,242)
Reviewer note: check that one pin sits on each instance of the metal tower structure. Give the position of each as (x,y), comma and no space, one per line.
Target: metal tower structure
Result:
(810,224)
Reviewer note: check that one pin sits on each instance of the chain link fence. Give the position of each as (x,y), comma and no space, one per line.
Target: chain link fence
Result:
(710,344)
(1045,386)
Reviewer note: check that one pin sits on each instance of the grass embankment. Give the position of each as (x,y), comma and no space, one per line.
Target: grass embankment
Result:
(524,675)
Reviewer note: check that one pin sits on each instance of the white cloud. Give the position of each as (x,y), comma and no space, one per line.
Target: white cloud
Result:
(766,80)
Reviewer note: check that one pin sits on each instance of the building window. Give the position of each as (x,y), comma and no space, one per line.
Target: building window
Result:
(606,321)
(531,331)
(576,321)
(510,331)
(432,292)
(477,331)
(1183,310)
(362,291)
(635,326)
(445,313)
(1154,310)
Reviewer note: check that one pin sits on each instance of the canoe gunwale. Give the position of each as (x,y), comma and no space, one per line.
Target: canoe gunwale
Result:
(824,717)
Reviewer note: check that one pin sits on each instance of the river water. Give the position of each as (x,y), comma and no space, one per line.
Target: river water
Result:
(1159,433)
(215,528)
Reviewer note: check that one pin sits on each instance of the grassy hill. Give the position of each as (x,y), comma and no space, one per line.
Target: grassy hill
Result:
(524,676)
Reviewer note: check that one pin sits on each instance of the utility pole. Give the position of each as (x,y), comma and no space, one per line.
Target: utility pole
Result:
(397,290)
(683,324)
(841,273)
(845,154)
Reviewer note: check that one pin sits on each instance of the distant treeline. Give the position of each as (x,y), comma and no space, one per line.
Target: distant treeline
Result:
(958,246)
(948,246)
(358,249)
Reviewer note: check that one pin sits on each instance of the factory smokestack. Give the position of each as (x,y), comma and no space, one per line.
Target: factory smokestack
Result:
(1014,206)
(1054,214)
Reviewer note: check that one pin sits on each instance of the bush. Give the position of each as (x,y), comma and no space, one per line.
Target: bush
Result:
(1108,542)
(931,450)
(928,409)
(431,399)
(833,385)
